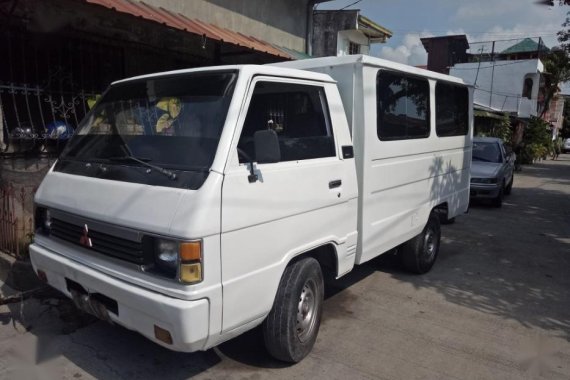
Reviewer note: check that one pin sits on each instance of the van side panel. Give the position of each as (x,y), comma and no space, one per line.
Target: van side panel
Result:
(404,179)
(400,182)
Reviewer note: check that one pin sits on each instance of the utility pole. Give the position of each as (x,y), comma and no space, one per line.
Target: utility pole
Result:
(492,75)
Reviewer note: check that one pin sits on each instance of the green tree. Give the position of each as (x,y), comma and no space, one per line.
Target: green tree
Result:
(556,71)
(564,34)
(537,140)
(498,128)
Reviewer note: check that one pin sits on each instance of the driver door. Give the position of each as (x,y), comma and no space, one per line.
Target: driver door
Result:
(295,205)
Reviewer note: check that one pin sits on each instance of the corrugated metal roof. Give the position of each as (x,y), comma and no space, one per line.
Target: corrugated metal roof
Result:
(194,26)
(527,45)
(378,30)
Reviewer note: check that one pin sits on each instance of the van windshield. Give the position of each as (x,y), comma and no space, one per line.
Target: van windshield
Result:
(154,126)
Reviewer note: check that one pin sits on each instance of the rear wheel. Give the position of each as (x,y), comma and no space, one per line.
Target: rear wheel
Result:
(419,253)
(291,328)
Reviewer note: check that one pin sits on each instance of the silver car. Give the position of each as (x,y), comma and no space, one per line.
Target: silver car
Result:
(492,170)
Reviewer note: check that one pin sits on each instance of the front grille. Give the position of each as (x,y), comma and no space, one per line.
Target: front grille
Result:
(120,248)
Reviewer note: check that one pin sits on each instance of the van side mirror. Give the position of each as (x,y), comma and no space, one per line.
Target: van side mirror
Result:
(266,146)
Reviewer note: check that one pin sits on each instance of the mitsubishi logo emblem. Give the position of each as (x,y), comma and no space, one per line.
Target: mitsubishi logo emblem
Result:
(85,240)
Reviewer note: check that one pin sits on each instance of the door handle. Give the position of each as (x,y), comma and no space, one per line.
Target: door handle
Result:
(334,184)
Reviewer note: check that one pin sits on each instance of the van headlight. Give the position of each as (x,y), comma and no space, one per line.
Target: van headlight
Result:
(173,257)
(166,256)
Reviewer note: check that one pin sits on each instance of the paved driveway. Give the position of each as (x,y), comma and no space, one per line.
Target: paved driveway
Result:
(495,306)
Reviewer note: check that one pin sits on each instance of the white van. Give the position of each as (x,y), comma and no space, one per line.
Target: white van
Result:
(194,205)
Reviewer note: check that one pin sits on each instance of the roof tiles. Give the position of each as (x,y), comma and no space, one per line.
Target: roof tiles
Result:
(194,26)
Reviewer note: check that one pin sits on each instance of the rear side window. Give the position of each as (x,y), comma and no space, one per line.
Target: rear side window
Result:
(297,113)
(451,110)
(402,105)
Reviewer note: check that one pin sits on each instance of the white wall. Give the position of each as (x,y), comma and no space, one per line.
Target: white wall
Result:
(354,36)
(505,82)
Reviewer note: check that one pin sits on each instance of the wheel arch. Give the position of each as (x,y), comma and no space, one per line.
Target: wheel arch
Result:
(326,255)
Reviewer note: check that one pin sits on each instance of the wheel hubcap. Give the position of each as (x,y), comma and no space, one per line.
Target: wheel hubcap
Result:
(429,245)
(306,311)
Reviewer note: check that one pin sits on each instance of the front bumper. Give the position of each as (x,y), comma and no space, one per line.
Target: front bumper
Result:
(484,191)
(137,309)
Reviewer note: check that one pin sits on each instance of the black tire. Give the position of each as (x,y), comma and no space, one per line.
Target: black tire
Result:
(509,187)
(442,214)
(419,253)
(290,330)
(498,201)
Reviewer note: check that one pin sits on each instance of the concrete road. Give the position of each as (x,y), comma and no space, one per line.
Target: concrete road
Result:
(495,306)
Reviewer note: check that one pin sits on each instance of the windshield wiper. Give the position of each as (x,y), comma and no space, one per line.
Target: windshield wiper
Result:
(144,162)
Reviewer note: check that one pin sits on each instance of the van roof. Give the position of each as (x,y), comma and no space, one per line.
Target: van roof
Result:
(250,70)
(367,61)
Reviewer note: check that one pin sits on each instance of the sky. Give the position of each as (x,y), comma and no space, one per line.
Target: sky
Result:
(480,20)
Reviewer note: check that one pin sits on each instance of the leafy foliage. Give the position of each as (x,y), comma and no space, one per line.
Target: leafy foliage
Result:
(501,129)
(557,70)
(537,140)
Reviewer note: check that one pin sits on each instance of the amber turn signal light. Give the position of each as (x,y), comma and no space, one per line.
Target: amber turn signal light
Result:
(190,251)
(190,262)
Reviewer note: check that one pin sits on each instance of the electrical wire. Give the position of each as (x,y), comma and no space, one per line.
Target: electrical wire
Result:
(489,67)
(543,33)
(350,5)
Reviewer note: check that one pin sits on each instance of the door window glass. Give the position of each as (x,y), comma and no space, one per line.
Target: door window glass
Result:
(297,113)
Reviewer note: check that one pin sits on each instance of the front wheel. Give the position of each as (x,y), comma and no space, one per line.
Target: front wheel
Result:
(509,187)
(498,201)
(290,330)
(419,253)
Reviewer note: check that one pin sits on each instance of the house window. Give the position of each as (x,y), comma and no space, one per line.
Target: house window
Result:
(527,88)
(353,48)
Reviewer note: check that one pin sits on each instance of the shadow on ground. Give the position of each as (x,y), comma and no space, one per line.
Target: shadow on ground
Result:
(511,262)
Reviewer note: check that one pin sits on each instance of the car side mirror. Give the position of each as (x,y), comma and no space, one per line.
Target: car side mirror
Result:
(266,146)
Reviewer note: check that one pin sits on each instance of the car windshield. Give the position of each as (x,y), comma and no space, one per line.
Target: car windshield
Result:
(172,123)
(486,151)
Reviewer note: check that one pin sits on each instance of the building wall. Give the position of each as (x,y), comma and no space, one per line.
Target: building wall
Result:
(327,25)
(345,37)
(280,22)
(501,88)
(555,115)
(445,52)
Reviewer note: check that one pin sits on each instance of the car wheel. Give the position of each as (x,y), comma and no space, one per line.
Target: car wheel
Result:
(419,253)
(290,330)
(509,187)
(498,201)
